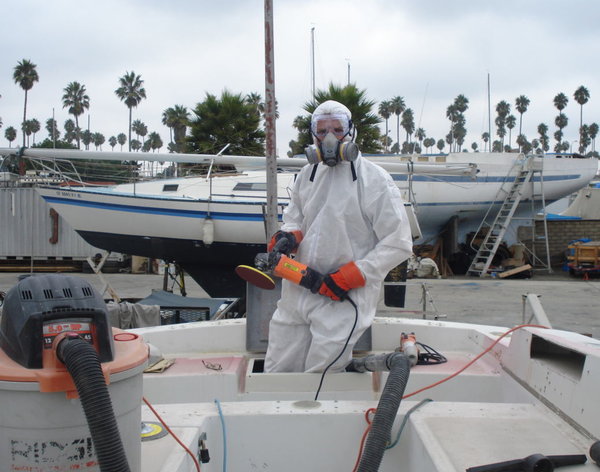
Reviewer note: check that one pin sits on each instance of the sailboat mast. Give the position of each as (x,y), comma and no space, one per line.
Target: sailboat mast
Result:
(312,57)
(271,210)
(489,115)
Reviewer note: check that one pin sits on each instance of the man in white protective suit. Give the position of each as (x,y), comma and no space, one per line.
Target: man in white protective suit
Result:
(346,220)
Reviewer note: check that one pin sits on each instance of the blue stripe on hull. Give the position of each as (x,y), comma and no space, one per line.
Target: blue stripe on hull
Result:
(468,179)
(157,211)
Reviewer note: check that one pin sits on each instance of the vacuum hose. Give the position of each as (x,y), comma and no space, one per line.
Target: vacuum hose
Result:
(379,436)
(83,364)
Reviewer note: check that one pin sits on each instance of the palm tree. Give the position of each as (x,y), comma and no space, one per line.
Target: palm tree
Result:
(167,120)
(440,144)
(542,130)
(560,101)
(521,104)
(135,126)
(142,131)
(112,141)
(87,138)
(408,123)
(461,103)
(10,134)
(486,137)
(255,100)
(420,135)
(581,96)
(397,106)
(25,74)
(385,111)
(511,122)
(500,130)
(154,141)
(52,128)
(121,139)
(228,119)
(503,110)
(131,92)
(452,114)
(181,121)
(584,138)
(177,119)
(77,101)
(98,139)
(71,131)
(35,127)
(561,121)
(26,129)
(593,130)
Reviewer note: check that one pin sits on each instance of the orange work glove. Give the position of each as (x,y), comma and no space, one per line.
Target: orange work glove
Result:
(337,284)
(290,244)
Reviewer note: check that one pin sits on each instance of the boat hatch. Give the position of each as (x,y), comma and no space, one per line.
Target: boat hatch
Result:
(251,186)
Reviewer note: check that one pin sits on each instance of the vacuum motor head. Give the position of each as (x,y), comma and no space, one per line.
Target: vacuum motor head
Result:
(40,307)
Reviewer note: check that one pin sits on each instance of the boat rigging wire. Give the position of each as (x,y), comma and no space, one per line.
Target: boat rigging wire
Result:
(196,463)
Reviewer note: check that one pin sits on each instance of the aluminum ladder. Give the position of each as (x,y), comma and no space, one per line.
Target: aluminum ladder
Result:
(487,250)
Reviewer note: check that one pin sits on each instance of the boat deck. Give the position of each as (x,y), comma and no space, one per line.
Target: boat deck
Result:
(532,393)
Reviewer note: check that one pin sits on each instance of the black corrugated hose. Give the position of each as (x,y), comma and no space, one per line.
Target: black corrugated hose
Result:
(81,360)
(399,366)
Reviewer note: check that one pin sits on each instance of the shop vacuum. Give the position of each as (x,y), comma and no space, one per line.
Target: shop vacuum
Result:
(70,385)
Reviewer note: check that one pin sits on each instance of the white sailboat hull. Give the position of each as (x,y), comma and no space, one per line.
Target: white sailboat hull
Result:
(165,218)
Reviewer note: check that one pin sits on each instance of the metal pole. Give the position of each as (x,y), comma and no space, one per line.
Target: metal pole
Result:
(53,130)
(271,216)
(489,115)
(312,55)
(348,60)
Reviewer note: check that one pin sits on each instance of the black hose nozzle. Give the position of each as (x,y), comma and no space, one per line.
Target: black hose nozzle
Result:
(532,463)
(595,452)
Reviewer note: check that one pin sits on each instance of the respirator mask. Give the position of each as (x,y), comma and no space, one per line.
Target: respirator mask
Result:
(331,149)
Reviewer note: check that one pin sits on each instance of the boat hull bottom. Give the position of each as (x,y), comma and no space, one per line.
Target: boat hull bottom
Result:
(212,267)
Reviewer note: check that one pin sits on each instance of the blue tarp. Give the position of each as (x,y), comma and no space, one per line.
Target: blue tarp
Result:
(556,216)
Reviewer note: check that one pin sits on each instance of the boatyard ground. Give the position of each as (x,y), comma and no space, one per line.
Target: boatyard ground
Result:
(570,303)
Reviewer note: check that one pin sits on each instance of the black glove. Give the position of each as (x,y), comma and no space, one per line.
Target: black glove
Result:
(285,242)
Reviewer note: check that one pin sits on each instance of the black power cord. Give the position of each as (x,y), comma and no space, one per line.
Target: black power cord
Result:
(343,349)
(429,356)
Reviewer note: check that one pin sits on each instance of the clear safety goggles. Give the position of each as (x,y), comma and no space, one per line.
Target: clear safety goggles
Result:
(339,125)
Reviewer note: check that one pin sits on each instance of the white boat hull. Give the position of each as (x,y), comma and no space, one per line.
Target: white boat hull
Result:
(165,219)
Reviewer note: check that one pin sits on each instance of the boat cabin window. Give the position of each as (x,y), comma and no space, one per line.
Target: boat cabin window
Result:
(170,187)
(251,186)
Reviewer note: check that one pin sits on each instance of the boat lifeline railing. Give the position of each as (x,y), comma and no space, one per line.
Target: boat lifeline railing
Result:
(390,164)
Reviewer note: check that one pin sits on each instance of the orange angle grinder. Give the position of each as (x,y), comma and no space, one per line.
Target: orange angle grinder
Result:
(278,263)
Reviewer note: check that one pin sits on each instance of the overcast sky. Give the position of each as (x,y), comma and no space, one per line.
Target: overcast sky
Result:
(426,51)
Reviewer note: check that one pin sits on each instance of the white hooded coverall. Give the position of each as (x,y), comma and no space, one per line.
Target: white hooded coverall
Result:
(341,220)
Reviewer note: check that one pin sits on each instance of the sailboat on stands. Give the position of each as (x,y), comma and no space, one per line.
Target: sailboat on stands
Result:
(209,224)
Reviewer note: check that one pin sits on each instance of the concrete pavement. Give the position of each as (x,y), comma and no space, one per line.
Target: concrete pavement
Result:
(570,303)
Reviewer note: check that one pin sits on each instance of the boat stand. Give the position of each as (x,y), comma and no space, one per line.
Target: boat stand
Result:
(97,269)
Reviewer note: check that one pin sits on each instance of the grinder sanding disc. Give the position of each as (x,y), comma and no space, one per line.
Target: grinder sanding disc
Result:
(255,277)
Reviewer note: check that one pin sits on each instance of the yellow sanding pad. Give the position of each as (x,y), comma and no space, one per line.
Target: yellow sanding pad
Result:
(255,277)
